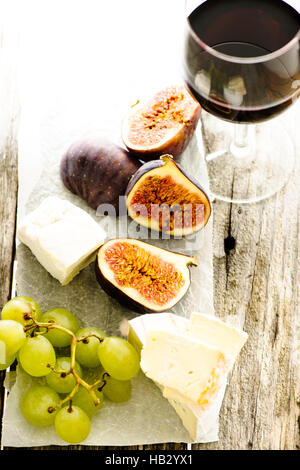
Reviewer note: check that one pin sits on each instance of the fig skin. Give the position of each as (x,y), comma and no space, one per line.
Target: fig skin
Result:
(178,142)
(129,302)
(98,171)
(156,164)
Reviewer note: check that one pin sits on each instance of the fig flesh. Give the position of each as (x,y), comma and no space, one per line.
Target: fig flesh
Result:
(98,171)
(163,197)
(141,276)
(164,124)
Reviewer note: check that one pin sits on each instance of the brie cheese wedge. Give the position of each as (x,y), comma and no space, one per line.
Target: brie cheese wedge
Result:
(200,420)
(182,363)
(63,237)
(201,424)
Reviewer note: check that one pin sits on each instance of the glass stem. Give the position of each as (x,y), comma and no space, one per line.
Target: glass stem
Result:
(241,144)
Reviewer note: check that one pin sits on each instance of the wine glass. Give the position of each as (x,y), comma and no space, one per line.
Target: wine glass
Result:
(242,63)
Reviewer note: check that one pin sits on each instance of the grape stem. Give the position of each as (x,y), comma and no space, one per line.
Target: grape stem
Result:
(102,382)
(45,327)
(84,338)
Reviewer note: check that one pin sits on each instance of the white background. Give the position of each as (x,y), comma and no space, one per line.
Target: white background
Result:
(86,55)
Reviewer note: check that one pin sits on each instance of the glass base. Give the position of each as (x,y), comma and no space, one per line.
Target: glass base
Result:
(250,174)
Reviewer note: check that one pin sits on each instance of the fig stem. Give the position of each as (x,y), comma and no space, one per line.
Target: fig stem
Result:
(166,158)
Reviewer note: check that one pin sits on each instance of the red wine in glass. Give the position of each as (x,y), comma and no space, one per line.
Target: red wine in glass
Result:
(242,58)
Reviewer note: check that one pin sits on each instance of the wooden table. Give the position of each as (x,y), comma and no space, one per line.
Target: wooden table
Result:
(256,278)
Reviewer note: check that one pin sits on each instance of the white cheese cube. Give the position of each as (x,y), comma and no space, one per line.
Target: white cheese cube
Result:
(63,237)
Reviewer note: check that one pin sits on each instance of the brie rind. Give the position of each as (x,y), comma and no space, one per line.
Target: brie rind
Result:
(201,424)
(63,237)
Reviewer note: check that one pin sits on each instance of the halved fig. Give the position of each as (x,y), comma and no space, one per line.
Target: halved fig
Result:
(164,124)
(162,196)
(97,170)
(143,277)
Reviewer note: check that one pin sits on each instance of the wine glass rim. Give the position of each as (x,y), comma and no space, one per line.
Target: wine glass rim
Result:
(245,60)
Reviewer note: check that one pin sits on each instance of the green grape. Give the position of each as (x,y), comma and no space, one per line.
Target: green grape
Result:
(86,350)
(20,309)
(64,318)
(117,390)
(12,337)
(39,405)
(72,424)
(62,382)
(83,399)
(9,361)
(36,356)
(119,358)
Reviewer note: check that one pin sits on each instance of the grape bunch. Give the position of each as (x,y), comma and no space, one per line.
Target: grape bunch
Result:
(65,400)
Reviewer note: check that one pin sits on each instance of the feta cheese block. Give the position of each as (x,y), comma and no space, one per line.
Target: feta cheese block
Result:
(63,237)
(201,421)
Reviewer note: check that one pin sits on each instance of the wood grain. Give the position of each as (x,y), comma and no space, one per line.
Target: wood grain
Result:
(8,204)
(256,285)
(257,288)
(256,271)
(9,120)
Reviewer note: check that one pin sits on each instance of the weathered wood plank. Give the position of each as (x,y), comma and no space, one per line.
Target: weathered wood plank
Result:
(163,447)
(8,204)
(9,105)
(256,285)
(75,447)
(257,288)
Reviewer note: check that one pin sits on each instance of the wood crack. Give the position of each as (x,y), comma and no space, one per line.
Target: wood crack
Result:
(229,241)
